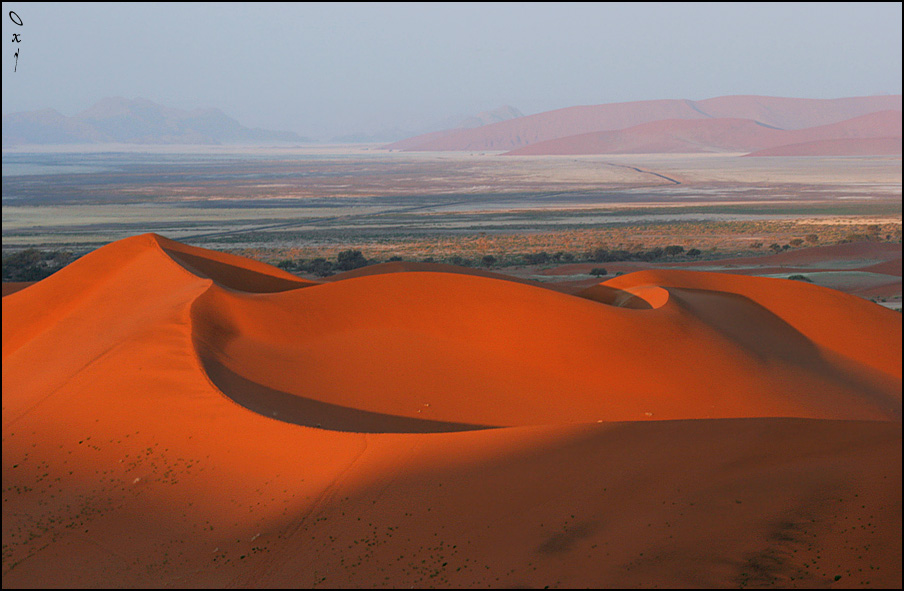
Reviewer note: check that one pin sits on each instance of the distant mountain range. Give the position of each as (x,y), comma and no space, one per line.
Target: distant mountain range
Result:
(503,113)
(724,124)
(134,121)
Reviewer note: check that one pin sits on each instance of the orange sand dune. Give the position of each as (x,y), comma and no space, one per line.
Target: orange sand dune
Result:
(177,417)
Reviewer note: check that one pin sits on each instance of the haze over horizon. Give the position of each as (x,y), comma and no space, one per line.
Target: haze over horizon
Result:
(328,70)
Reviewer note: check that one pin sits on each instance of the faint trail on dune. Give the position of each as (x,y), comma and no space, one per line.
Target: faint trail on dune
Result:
(279,557)
(694,106)
(640,170)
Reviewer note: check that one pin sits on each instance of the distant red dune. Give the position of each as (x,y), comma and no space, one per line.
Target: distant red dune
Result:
(778,112)
(730,135)
(888,146)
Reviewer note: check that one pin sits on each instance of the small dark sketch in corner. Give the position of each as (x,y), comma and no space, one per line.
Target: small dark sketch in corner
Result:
(17,37)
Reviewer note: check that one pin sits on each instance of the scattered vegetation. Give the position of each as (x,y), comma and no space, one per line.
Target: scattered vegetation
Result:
(33,264)
(327,253)
(346,260)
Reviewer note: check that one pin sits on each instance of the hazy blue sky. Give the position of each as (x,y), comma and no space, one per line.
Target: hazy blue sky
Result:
(328,69)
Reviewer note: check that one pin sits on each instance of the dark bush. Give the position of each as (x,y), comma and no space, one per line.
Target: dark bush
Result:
(320,267)
(350,259)
(536,258)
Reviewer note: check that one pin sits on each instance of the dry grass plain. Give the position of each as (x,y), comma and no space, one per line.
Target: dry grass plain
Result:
(274,203)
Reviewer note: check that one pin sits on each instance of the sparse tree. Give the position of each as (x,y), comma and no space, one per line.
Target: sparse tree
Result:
(350,259)
(598,272)
(320,267)
(673,250)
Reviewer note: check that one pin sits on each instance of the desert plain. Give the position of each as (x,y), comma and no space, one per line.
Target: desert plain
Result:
(177,413)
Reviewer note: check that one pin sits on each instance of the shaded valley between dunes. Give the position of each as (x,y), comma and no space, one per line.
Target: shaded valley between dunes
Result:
(174,416)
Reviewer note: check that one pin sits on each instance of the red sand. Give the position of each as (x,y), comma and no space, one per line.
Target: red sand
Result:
(892,267)
(732,135)
(855,256)
(889,146)
(14,286)
(141,384)
(782,113)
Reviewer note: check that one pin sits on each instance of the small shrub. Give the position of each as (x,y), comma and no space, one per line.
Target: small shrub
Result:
(350,259)
(598,272)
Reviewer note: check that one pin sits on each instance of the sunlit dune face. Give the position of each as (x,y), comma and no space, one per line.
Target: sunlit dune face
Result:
(432,349)
(428,351)
(174,417)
